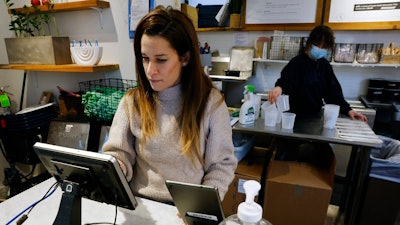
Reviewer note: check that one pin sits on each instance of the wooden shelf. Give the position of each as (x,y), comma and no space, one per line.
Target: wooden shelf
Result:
(207,29)
(63,7)
(61,68)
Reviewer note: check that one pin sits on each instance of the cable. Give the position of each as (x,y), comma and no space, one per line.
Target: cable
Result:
(3,150)
(24,217)
(116,213)
(26,177)
(116,207)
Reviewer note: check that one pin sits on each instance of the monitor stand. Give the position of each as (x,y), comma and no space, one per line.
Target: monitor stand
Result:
(69,212)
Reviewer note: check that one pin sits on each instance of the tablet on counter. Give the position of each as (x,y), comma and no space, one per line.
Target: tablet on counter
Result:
(197,204)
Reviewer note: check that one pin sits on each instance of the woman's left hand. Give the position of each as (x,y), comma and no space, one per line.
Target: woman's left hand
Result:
(356,115)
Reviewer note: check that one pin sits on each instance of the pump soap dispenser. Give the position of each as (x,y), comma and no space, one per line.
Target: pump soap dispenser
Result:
(249,212)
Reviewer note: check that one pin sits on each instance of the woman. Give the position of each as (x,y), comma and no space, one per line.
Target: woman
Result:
(310,82)
(309,79)
(175,124)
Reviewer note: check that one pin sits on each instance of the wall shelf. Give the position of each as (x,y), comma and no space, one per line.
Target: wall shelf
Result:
(228,78)
(63,7)
(354,64)
(62,68)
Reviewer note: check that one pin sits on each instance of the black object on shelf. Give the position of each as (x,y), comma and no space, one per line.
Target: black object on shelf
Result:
(206,14)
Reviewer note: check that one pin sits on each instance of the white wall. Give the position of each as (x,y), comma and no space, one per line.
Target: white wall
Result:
(354,80)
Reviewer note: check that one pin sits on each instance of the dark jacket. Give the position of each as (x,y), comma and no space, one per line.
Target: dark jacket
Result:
(308,83)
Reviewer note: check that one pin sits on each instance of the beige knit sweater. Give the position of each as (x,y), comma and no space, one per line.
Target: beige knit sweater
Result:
(161,158)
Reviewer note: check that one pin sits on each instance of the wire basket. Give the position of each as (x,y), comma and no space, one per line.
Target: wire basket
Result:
(101,97)
(285,47)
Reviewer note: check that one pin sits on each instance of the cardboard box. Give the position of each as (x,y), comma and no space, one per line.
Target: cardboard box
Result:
(191,12)
(297,193)
(252,167)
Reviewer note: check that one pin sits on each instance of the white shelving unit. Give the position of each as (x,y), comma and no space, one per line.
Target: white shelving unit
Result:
(353,64)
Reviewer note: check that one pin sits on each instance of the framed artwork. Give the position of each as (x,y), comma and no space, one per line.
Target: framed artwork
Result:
(362,14)
(282,15)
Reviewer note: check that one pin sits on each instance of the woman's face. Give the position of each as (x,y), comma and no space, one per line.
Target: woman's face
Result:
(161,62)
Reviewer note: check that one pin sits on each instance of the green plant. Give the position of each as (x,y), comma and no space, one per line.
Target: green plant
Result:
(31,21)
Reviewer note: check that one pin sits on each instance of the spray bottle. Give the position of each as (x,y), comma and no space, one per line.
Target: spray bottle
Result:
(247,110)
(249,212)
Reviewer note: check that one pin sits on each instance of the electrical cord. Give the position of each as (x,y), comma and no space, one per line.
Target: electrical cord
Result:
(115,217)
(3,150)
(24,217)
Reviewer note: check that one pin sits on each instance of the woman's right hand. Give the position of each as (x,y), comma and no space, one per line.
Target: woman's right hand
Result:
(122,166)
(274,94)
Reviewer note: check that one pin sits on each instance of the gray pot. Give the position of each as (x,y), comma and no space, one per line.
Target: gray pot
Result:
(38,50)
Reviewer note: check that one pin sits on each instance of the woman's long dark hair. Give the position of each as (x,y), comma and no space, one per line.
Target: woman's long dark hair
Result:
(178,30)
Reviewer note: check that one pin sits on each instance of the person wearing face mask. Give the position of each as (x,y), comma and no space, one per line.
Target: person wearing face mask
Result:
(310,82)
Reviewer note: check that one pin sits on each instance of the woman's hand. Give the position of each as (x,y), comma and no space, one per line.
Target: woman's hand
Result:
(356,115)
(122,166)
(274,94)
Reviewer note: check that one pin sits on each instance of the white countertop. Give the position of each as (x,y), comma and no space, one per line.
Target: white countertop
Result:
(147,213)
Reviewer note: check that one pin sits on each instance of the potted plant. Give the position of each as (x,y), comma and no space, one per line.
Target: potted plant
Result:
(33,42)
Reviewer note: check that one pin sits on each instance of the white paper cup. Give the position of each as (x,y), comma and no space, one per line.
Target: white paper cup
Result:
(331,113)
(283,103)
(288,120)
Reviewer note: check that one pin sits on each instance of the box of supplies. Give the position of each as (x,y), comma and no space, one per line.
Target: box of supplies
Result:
(297,193)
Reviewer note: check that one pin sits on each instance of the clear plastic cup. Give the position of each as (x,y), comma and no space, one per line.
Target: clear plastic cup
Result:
(331,113)
(270,116)
(283,103)
(266,106)
(288,120)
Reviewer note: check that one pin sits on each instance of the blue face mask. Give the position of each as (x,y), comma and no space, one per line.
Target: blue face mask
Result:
(318,53)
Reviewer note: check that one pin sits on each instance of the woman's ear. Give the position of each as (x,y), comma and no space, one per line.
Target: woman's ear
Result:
(185,59)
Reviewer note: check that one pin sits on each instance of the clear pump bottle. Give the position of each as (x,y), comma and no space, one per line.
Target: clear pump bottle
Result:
(249,212)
